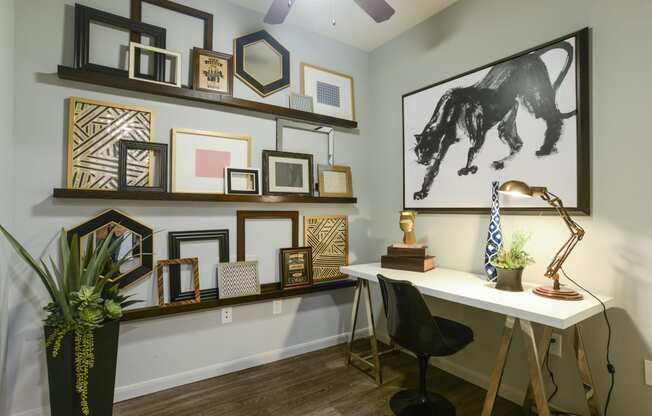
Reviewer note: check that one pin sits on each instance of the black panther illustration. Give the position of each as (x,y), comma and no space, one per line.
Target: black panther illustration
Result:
(494,101)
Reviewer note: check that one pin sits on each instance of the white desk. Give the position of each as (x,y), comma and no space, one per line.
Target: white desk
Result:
(474,290)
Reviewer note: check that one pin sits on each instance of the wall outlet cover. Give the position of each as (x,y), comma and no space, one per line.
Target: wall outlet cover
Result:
(555,344)
(278,307)
(227,315)
(648,372)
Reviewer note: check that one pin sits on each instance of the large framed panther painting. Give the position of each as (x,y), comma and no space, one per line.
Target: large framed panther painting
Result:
(525,117)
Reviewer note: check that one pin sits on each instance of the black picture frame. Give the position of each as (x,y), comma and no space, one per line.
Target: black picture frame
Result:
(175,239)
(84,15)
(583,99)
(136,13)
(300,156)
(229,187)
(240,71)
(161,151)
(146,233)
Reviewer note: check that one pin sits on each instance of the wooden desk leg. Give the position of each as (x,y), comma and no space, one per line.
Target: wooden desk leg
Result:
(544,345)
(585,373)
(534,364)
(497,373)
(354,319)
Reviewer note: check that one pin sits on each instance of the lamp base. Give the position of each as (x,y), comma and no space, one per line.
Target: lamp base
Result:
(562,293)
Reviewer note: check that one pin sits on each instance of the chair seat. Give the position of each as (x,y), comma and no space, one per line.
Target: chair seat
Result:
(455,336)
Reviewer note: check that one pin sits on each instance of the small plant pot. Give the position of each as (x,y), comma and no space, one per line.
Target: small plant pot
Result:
(509,279)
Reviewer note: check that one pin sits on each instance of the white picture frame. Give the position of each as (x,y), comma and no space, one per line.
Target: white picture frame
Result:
(333,92)
(133,46)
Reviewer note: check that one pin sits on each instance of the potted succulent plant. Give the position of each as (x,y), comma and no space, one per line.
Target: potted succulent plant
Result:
(82,323)
(510,263)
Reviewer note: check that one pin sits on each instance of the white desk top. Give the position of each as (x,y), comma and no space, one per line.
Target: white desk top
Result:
(474,290)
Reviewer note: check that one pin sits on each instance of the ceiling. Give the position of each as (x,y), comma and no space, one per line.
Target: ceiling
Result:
(354,27)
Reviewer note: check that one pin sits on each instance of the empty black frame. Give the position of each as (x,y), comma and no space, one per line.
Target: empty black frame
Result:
(238,50)
(84,15)
(142,230)
(254,172)
(123,165)
(175,239)
(289,155)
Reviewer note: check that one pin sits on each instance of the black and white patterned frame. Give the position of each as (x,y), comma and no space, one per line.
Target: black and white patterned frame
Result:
(175,239)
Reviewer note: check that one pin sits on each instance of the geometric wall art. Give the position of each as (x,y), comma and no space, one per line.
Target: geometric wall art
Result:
(95,129)
(329,238)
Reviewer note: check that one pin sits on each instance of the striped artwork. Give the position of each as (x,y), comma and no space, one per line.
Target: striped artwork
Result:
(194,263)
(329,238)
(94,133)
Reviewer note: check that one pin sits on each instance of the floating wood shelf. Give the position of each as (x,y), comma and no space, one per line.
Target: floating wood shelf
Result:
(269,292)
(192,197)
(113,81)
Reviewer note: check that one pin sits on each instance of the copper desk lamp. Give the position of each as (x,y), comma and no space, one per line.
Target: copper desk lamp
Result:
(518,188)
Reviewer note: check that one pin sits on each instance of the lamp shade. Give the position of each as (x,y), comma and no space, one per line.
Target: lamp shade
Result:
(520,189)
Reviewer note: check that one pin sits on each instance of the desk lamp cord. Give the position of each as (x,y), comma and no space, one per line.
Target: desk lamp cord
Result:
(610,367)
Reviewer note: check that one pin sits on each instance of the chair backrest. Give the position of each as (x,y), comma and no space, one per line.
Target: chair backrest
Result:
(409,321)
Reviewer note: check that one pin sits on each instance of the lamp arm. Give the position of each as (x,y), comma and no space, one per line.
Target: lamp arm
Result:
(577,233)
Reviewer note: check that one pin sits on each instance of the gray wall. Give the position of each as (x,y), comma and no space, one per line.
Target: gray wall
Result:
(6,170)
(160,353)
(615,256)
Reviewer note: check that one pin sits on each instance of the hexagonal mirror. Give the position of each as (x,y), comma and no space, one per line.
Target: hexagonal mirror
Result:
(262,63)
(136,246)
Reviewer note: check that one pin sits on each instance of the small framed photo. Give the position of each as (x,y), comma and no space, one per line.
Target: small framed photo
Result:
(287,173)
(301,103)
(135,47)
(296,267)
(212,71)
(241,181)
(199,158)
(332,91)
(335,181)
(132,156)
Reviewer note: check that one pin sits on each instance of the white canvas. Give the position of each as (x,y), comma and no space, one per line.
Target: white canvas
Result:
(557,171)
(345,110)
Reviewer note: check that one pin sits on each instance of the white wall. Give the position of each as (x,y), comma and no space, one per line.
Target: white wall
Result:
(615,256)
(6,170)
(159,353)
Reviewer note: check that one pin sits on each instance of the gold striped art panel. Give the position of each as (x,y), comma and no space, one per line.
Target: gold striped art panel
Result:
(329,238)
(95,129)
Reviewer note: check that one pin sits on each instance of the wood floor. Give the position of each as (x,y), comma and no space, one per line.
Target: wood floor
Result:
(314,384)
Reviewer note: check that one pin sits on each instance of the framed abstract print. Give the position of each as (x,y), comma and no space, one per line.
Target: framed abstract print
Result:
(302,103)
(525,117)
(132,155)
(286,173)
(238,279)
(136,245)
(333,92)
(212,71)
(95,129)
(335,181)
(211,247)
(328,236)
(242,181)
(296,267)
(194,264)
(199,158)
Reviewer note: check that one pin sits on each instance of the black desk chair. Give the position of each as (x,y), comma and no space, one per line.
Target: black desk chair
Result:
(412,327)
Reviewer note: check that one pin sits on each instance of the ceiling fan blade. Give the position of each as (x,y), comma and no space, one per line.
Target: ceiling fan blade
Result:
(379,10)
(278,11)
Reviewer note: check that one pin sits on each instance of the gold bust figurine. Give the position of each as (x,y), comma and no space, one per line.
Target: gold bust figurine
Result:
(407,220)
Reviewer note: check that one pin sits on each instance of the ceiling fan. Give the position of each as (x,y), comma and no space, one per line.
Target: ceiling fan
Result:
(379,10)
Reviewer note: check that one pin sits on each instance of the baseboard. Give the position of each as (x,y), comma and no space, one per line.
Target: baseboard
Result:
(43,411)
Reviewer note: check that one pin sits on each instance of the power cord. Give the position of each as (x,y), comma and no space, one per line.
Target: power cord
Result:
(610,367)
(554,383)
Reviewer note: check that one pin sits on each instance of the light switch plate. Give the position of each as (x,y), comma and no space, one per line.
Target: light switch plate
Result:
(555,346)
(227,315)
(648,372)
(278,307)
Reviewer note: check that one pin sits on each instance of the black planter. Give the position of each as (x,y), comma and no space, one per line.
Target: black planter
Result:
(64,400)
(509,279)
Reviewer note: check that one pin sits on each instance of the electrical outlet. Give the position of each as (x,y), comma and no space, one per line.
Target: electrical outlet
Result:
(227,315)
(648,372)
(555,344)
(278,307)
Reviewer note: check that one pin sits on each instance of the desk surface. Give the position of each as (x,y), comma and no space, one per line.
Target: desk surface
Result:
(474,290)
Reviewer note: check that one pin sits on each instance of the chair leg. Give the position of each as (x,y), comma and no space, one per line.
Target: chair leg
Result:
(423,372)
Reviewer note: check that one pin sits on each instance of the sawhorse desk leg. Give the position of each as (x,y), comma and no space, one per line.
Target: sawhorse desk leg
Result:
(363,291)
(536,358)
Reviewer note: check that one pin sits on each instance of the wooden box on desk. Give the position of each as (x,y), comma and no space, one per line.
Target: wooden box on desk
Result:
(407,251)
(412,264)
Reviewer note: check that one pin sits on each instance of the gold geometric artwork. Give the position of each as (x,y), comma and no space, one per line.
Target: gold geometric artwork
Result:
(95,129)
(329,238)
